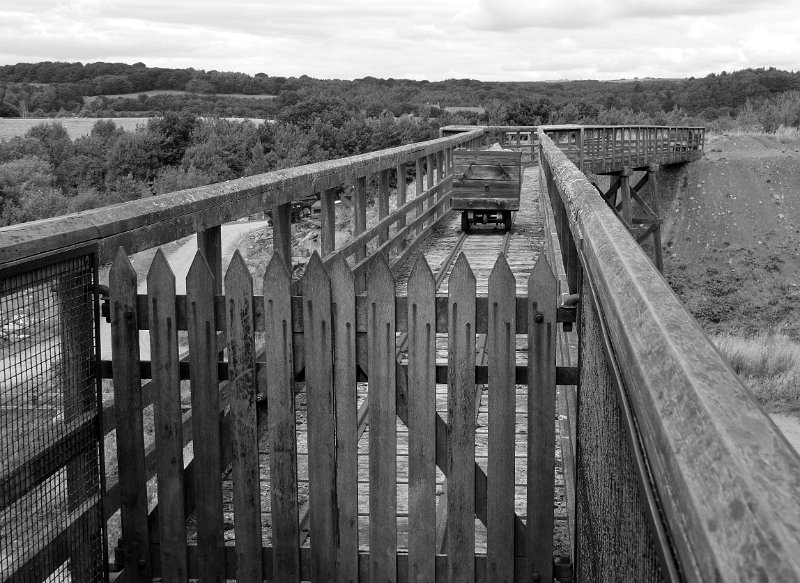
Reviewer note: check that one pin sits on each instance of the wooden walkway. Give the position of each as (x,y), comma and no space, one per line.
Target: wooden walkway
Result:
(523,246)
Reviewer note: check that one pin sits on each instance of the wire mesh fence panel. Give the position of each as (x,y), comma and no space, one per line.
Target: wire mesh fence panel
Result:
(50,466)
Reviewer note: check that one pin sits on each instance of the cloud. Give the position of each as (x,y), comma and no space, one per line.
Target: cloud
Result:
(433,39)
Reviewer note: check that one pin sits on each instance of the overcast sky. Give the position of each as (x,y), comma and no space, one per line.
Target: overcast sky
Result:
(505,40)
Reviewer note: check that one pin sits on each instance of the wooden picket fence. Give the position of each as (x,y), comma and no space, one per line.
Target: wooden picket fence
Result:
(338,337)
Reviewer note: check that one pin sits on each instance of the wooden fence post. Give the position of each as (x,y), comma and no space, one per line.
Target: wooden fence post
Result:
(344,383)
(209,242)
(401,196)
(542,307)
(461,424)
(502,423)
(205,419)
(625,193)
(168,418)
(360,225)
(328,221)
(244,424)
(281,422)
(421,423)
(130,429)
(420,185)
(383,204)
(282,232)
(317,328)
(382,423)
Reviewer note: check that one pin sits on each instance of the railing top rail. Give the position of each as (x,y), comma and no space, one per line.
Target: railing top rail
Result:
(556,127)
(727,478)
(145,223)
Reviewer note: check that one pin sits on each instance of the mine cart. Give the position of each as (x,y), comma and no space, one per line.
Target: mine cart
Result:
(486,186)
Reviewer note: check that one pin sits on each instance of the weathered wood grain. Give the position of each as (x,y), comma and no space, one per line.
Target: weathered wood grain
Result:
(383,203)
(282,231)
(676,381)
(130,429)
(502,411)
(461,424)
(327,221)
(321,419)
(205,418)
(382,423)
(281,421)
(422,423)
(209,243)
(542,302)
(244,434)
(347,426)
(167,417)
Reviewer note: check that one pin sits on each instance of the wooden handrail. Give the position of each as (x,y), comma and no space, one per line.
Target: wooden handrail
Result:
(725,477)
(146,223)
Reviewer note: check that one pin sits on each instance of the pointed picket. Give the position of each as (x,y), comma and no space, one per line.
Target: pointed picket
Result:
(421,423)
(167,418)
(382,423)
(321,418)
(129,424)
(542,307)
(205,419)
(281,421)
(343,309)
(461,423)
(502,419)
(244,430)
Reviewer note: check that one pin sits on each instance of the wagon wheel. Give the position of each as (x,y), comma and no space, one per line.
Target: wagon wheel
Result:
(464,222)
(507,220)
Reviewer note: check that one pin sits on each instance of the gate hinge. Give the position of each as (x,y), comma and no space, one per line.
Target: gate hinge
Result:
(569,303)
(103,294)
(562,569)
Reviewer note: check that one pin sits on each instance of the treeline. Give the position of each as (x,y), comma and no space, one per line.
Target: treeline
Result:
(45,173)
(58,88)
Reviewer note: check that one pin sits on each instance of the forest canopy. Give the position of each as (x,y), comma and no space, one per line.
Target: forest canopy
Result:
(187,141)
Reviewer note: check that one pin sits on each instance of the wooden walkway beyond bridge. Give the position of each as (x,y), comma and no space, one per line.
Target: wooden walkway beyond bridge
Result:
(420,405)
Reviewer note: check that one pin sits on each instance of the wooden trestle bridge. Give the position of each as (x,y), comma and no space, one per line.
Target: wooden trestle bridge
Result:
(420,405)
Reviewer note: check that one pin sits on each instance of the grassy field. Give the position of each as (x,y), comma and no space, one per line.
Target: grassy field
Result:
(769,364)
(90,98)
(75,126)
(80,126)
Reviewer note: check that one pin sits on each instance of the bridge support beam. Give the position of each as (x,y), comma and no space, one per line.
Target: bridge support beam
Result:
(282,232)
(640,217)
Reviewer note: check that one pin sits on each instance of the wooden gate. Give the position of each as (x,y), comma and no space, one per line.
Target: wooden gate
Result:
(277,424)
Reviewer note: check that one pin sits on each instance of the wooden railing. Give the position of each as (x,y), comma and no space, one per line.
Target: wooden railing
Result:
(143,224)
(599,149)
(157,220)
(677,463)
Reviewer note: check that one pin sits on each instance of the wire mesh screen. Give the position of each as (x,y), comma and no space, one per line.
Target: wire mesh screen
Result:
(613,539)
(50,485)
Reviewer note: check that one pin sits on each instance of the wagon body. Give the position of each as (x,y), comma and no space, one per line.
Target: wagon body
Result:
(486,185)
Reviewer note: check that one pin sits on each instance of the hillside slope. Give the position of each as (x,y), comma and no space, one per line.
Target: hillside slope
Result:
(732,235)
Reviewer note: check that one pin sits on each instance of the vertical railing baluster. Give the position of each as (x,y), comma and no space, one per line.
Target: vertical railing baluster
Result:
(167,415)
(281,421)
(200,292)
(129,421)
(382,423)
(244,423)
(542,307)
